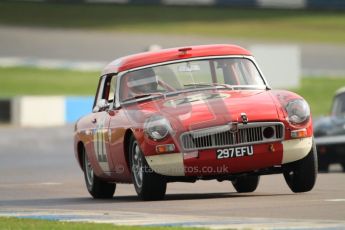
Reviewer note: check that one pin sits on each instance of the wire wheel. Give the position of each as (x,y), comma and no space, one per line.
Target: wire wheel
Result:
(148,184)
(137,165)
(88,171)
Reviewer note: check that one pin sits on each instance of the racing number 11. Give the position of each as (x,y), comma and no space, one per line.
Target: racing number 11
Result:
(100,146)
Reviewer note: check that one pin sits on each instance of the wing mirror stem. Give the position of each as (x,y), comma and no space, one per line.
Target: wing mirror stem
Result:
(101,105)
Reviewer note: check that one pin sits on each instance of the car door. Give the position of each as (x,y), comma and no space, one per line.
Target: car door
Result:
(100,122)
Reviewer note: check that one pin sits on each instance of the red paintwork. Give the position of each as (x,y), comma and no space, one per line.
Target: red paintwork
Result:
(259,105)
(149,58)
(210,113)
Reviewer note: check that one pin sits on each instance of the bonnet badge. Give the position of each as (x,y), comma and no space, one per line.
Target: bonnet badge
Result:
(244,118)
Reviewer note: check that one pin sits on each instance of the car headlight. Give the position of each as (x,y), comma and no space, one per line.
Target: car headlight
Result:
(298,111)
(157,127)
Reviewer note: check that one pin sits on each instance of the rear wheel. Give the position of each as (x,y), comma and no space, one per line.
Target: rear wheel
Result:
(98,188)
(148,184)
(301,175)
(246,183)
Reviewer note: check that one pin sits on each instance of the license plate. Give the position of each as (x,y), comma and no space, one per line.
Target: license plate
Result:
(234,152)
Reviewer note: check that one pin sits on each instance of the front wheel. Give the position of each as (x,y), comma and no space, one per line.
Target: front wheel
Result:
(148,184)
(246,183)
(301,175)
(98,188)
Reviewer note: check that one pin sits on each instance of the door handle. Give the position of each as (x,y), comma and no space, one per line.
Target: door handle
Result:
(94,121)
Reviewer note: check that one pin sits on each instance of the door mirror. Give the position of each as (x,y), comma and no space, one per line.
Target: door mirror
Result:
(101,105)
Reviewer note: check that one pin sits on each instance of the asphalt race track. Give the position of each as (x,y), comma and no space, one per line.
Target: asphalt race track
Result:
(81,45)
(40,178)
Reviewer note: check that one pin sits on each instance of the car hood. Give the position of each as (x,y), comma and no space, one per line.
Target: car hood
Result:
(215,107)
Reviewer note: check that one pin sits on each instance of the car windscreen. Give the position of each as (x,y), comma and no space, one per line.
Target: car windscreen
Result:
(339,105)
(190,75)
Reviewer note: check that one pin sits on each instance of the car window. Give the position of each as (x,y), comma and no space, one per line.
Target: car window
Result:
(112,89)
(99,91)
(106,90)
(190,74)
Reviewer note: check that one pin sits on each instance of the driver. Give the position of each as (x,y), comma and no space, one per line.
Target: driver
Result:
(142,82)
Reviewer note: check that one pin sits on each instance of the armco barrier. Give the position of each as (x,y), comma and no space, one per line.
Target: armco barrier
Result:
(279,4)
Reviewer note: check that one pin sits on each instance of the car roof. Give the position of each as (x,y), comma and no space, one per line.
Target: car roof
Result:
(340,91)
(172,54)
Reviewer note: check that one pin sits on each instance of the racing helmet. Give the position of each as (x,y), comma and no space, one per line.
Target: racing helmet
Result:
(143,81)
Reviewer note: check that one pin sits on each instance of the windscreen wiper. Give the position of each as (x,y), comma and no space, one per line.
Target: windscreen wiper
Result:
(249,87)
(202,84)
(140,96)
(198,84)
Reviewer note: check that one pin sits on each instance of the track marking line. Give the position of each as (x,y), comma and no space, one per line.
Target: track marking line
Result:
(30,184)
(336,200)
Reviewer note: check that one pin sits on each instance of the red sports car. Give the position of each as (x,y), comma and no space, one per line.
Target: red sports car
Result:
(192,113)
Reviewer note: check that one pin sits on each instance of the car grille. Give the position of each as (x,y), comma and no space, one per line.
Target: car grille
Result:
(221,136)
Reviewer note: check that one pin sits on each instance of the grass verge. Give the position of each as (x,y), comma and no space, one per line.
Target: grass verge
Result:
(31,81)
(319,93)
(30,224)
(284,25)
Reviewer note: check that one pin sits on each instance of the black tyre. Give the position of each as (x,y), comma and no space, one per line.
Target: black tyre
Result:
(301,175)
(97,188)
(246,183)
(148,184)
(343,165)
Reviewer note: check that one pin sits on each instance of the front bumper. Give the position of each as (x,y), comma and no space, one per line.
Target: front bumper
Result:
(296,149)
(205,163)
